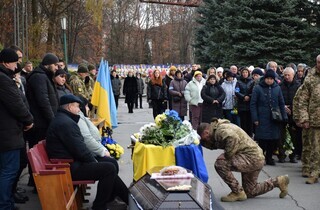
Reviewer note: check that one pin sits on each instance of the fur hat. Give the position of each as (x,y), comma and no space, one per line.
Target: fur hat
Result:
(82,69)
(8,55)
(49,59)
(68,99)
(270,74)
(197,73)
(257,71)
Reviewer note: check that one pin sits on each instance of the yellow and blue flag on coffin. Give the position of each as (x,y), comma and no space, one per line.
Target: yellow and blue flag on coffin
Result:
(103,98)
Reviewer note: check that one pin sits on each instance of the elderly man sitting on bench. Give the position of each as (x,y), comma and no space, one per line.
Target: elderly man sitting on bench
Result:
(64,141)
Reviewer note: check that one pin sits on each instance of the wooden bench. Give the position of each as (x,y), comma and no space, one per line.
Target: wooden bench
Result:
(53,182)
(79,184)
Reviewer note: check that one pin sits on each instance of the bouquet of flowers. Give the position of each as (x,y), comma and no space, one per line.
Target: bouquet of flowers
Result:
(115,149)
(288,145)
(168,129)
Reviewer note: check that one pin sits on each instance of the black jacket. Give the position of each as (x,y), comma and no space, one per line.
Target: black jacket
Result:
(14,114)
(288,91)
(64,139)
(130,89)
(209,93)
(243,88)
(156,92)
(42,96)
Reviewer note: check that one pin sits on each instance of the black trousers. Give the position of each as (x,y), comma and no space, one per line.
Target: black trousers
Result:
(139,96)
(158,107)
(116,99)
(109,183)
(109,160)
(130,106)
(246,122)
(268,146)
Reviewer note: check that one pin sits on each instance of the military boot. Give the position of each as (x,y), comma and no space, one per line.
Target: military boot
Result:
(240,196)
(312,180)
(283,182)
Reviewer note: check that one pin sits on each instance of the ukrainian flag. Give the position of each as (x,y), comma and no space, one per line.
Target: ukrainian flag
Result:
(103,98)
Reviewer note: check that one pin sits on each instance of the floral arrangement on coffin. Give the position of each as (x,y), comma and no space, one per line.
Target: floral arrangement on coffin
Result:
(115,149)
(168,129)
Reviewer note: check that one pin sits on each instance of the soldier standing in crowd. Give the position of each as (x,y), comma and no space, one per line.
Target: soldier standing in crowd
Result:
(15,117)
(307,116)
(78,83)
(241,154)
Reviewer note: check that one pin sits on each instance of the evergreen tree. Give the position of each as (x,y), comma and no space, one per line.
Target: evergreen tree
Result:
(245,32)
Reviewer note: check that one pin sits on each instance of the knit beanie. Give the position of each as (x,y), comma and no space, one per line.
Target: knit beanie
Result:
(49,59)
(173,68)
(8,55)
(257,71)
(270,74)
(59,72)
(197,73)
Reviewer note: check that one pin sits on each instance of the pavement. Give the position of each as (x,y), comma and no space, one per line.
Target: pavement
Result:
(301,195)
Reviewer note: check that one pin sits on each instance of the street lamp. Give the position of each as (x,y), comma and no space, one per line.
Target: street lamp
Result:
(64,29)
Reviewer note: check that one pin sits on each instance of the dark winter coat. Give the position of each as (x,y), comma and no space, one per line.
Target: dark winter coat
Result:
(209,93)
(263,97)
(289,91)
(243,88)
(62,90)
(178,86)
(130,89)
(14,114)
(64,139)
(116,85)
(156,92)
(42,96)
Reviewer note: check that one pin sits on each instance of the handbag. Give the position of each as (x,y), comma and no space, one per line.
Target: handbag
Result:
(276,115)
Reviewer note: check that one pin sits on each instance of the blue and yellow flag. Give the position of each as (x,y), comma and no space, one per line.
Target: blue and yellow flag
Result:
(103,98)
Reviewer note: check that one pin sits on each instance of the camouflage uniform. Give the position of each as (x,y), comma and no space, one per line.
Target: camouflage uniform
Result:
(242,154)
(79,88)
(306,109)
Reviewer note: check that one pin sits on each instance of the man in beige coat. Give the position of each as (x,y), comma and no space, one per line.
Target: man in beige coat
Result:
(241,154)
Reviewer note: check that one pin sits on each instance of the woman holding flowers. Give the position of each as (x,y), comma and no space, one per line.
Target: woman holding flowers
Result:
(157,93)
(176,90)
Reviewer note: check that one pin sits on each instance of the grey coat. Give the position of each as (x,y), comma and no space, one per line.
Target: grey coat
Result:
(178,86)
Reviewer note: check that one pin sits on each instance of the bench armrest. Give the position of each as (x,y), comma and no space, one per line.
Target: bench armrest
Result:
(55,160)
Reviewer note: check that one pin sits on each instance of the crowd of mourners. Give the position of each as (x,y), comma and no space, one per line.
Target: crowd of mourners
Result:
(48,102)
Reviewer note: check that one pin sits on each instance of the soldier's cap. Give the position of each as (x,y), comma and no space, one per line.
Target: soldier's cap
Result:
(69,98)
(82,69)
(91,67)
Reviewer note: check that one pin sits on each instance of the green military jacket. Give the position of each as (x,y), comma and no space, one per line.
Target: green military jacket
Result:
(232,139)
